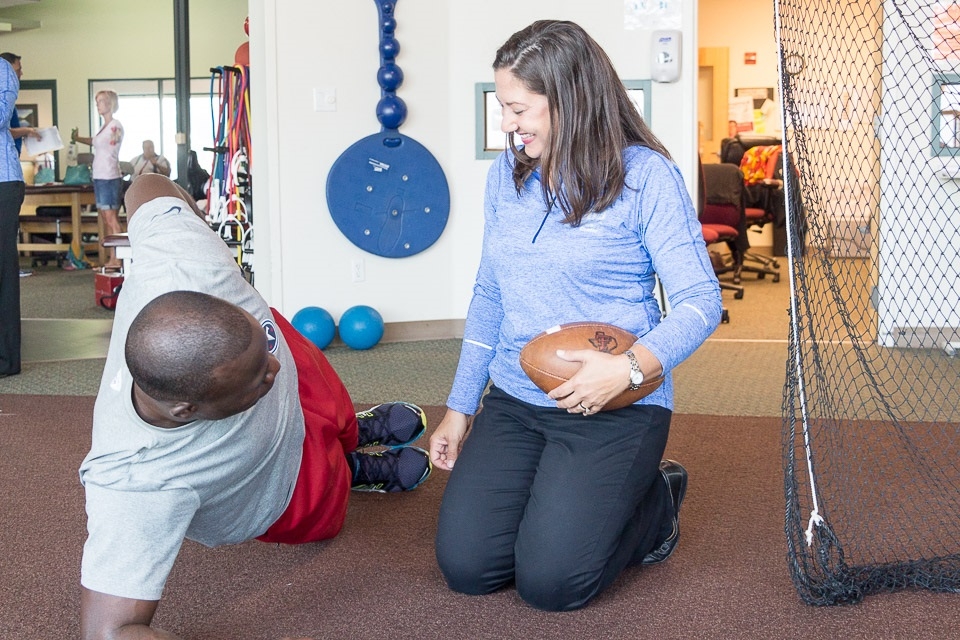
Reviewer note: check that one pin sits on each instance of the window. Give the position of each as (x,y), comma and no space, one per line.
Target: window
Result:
(946,116)
(148,111)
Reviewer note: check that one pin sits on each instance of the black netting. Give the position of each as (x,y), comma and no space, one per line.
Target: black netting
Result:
(871,99)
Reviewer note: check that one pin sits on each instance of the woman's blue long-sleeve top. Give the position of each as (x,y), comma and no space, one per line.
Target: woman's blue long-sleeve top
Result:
(10,169)
(536,272)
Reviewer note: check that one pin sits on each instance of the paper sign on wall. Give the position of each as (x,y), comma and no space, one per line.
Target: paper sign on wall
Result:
(651,14)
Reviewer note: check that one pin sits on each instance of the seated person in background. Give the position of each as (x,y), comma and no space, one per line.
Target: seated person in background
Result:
(149,162)
(215,421)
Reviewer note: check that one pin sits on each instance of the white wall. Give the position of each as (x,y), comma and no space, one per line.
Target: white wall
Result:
(446,47)
(746,26)
(917,260)
(301,257)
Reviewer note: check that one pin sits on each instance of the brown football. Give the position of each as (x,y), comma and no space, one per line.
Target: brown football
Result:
(540,362)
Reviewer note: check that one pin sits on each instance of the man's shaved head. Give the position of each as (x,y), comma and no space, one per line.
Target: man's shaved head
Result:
(179,339)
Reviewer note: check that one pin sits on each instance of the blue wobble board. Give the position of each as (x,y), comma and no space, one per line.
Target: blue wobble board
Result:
(388,195)
(386,192)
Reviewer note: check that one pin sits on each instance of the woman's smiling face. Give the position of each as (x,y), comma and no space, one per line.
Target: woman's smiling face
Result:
(525,113)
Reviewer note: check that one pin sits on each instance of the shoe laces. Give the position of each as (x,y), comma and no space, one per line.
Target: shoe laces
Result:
(391,470)
(392,424)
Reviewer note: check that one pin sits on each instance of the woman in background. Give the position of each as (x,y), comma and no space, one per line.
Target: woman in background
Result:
(107,178)
(550,491)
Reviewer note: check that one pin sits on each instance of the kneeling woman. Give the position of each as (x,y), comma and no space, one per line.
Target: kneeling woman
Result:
(551,492)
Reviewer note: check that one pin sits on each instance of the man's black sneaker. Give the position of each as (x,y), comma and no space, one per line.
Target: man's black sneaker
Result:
(393,424)
(391,470)
(675,476)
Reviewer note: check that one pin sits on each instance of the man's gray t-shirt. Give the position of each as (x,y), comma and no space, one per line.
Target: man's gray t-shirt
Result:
(215,482)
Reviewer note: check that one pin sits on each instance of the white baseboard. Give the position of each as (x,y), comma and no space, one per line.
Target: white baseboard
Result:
(416,331)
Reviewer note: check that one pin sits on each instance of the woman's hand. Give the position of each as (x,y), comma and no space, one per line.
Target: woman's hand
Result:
(601,378)
(447,439)
(76,137)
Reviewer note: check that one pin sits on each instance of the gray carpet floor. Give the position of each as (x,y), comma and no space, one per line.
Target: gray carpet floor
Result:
(379,577)
(727,580)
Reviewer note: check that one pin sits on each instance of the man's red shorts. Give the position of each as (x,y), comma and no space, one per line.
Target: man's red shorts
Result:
(319,503)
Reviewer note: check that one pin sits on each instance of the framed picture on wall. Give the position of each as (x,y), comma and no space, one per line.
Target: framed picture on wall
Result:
(946,116)
(491,141)
(37,107)
(27,114)
(640,94)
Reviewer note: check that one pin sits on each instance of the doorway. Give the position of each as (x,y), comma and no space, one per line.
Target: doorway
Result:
(713,87)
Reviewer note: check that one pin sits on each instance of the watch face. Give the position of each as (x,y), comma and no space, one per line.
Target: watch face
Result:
(636,377)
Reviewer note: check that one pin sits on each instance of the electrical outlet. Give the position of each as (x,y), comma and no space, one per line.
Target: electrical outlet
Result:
(357,270)
(324,99)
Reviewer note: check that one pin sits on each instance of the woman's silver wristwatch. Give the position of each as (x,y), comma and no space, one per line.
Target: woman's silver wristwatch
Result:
(636,375)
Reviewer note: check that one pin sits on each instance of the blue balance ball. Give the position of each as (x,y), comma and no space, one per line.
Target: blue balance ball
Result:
(361,327)
(316,325)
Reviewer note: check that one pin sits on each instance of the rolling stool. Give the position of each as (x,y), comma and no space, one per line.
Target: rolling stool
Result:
(108,285)
(121,246)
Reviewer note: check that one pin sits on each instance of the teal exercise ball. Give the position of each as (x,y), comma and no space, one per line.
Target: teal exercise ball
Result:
(361,327)
(316,325)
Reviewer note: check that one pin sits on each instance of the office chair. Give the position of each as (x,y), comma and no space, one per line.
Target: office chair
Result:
(759,160)
(721,218)
(733,149)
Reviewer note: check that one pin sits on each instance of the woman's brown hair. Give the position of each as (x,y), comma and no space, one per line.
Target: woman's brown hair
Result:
(592,120)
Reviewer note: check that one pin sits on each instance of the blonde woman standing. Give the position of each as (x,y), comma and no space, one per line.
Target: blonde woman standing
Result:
(107,178)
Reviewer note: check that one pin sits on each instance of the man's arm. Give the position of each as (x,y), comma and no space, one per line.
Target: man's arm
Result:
(138,166)
(104,617)
(162,165)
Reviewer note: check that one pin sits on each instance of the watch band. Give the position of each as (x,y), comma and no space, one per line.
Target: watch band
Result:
(634,369)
